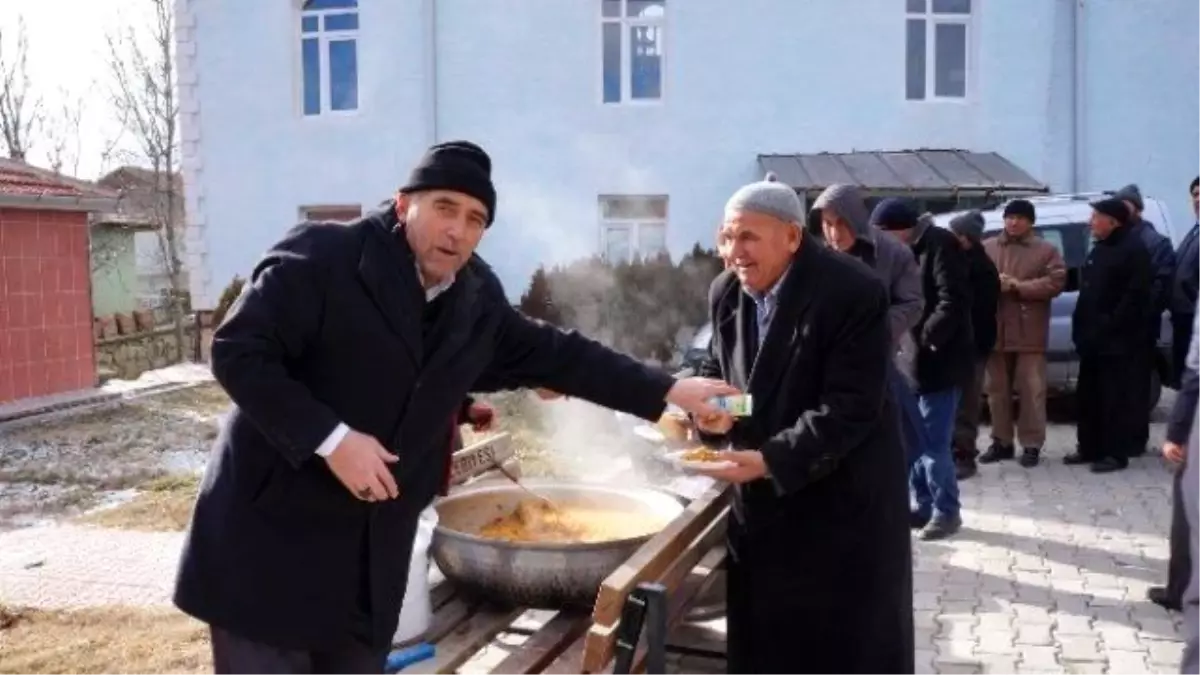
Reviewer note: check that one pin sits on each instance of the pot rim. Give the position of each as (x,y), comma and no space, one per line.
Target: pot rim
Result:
(441,530)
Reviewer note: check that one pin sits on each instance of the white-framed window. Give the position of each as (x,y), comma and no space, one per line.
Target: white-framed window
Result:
(338,213)
(632,227)
(632,50)
(937,49)
(328,56)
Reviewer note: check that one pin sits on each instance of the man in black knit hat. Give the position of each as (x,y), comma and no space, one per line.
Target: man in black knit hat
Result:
(1032,274)
(1108,328)
(347,357)
(943,359)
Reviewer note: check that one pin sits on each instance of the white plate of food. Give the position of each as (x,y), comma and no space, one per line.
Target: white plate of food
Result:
(699,459)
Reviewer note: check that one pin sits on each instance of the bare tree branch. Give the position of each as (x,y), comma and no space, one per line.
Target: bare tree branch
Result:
(20,109)
(62,134)
(142,66)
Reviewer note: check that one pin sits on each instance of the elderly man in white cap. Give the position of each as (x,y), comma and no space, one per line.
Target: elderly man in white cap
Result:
(820,571)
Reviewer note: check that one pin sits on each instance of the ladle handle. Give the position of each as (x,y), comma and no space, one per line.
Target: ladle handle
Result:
(508,474)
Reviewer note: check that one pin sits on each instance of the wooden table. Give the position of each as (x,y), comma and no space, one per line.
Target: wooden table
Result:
(685,558)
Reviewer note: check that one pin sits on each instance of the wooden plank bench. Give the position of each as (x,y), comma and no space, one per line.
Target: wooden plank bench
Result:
(684,557)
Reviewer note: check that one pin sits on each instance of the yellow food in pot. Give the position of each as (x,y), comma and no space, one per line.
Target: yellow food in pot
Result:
(535,521)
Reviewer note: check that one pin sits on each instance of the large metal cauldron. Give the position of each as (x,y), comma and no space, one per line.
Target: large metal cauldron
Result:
(543,575)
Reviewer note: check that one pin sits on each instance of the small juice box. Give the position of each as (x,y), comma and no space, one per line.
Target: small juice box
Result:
(741,405)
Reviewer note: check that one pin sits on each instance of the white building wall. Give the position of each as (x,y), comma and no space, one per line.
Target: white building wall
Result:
(742,78)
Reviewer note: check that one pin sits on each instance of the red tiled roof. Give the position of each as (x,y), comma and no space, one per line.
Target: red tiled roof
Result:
(25,183)
(24,180)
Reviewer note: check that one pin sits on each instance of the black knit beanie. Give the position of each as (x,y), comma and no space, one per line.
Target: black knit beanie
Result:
(1021,207)
(894,213)
(458,166)
(1113,207)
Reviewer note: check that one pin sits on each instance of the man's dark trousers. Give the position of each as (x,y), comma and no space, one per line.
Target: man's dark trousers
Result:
(1104,397)
(1141,371)
(1179,567)
(235,654)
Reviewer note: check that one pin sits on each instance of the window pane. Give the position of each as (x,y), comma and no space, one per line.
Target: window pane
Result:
(645,9)
(610,8)
(633,207)
(308,24)
(915,60)
(952,6)
(342,21)
(950,60)
(311,62)
(343,75)
(652,239)
(645,62)
(330,4)
(916,6)
(617,244)
(612,62)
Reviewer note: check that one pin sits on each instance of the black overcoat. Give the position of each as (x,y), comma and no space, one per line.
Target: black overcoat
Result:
(329,330)
(821,572)
(943,335)
(1116,297)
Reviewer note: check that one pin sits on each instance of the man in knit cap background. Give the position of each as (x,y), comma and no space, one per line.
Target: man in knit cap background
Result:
(820,571)
(985,294)
(1108,327)
(1032,273)
(1162,267)
(942,362)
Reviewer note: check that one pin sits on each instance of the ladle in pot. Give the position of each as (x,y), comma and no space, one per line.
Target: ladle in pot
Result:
(507,474)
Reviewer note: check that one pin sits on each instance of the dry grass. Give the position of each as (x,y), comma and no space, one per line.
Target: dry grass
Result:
(102,640)
(162,505)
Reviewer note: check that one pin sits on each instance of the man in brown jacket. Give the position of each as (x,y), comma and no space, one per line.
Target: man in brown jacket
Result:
(1032,273)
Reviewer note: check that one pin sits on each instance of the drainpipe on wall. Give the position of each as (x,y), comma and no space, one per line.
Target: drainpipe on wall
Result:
(431,71)
(1077,94)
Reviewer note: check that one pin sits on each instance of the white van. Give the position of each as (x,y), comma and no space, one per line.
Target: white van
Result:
(1063,221)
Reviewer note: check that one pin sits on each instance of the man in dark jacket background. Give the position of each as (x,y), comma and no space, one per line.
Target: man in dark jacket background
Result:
(1183,414)
(347,357)
(985,295)
(1184,289)
(1109,328)
(1162,270)
(944,357)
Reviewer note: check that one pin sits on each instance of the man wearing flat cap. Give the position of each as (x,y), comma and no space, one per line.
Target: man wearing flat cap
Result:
(1108,327)
(1162,268)
(820,567)
(984,283)
(347,357)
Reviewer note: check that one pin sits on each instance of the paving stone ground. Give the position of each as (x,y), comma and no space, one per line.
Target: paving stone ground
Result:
(1049,574)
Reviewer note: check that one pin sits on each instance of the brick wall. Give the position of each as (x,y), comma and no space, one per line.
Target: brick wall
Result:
(45,304)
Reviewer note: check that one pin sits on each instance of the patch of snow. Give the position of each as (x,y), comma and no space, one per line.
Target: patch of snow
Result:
(179,373)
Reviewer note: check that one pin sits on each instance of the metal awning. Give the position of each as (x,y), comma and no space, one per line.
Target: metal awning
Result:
(928,172)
